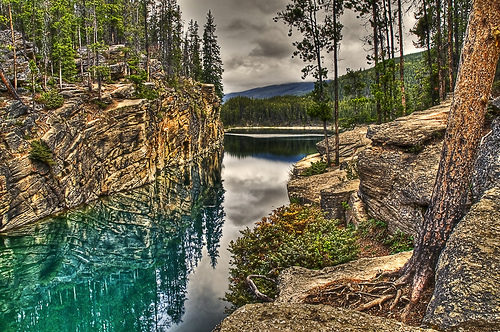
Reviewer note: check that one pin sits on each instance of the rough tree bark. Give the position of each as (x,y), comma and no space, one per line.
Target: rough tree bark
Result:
(450,44)
(336,84)
(479,58)
(401,57)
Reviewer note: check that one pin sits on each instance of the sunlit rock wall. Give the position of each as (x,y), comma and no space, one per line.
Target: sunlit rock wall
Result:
(98,152)
(119,263)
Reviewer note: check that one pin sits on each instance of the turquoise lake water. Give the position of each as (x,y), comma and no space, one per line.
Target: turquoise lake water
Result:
(152,259)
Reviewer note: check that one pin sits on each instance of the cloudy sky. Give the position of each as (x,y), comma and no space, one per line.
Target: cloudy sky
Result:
(257,52)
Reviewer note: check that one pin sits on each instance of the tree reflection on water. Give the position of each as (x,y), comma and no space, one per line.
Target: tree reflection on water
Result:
(120,263)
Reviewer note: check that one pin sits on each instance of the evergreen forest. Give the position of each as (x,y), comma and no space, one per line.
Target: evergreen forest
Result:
(395,85)
(65,41)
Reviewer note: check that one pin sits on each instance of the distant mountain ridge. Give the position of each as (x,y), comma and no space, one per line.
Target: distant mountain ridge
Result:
(293,89)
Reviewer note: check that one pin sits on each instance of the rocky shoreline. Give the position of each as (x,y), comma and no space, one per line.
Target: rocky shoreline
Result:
(388,174)
(96,151)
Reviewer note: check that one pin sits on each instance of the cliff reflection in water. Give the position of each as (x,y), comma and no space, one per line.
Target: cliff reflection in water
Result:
(120,264)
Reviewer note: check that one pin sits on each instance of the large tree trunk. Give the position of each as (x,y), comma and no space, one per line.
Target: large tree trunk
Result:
(336,84)
(478,63)
(401,57)
(450,44)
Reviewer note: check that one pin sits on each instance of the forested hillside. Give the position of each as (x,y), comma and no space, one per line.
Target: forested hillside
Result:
(67,39)
(357,104)
(396,84)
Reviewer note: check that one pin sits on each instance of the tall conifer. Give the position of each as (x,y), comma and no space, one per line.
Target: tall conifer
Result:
(212,62)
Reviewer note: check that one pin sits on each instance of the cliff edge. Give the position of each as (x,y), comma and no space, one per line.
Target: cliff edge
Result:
(93,149)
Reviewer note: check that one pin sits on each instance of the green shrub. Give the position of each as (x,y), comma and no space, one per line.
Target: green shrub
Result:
(292,236)
(52,99)
(377,230)
(318,167)
(399,242)
(41,152)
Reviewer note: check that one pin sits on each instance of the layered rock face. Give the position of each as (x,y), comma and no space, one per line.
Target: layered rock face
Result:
(107,257)
(98,151)
(397,172)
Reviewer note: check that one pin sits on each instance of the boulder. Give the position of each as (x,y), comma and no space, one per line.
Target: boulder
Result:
(307,189)
(334,200)
(277,317)
(125,91)
(396,185)
(118,70)
(486,174)
(15,109)
(397,173)
(466,296)
(295,282)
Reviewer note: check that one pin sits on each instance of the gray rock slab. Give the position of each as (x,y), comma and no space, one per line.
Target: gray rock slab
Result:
(274,317)
(486,173)
(415,129)
(467,293)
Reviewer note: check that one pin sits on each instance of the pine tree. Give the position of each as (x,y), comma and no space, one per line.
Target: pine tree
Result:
(212,62)
(317,38)
(169,34)
(195,65)
(63,52)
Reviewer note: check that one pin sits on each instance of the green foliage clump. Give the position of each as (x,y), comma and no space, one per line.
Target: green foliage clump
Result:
(139,76)
(416,149)
(41,152)
(292,236)
(399,242)
(318,167)
(102,105)
(377,230)
(52,99)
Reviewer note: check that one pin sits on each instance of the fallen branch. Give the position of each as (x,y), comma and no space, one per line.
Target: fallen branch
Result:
(9,86)
(255,290)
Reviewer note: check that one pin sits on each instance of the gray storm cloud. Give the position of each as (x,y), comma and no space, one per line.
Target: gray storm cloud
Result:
(256,51)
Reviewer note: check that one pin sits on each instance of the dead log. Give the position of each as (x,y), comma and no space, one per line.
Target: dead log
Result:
(9,86)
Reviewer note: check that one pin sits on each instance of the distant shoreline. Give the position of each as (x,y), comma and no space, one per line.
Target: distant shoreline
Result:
(306,128)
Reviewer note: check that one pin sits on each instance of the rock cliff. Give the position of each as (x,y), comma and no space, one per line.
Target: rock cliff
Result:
(108,255)
(95,151)
(396,164)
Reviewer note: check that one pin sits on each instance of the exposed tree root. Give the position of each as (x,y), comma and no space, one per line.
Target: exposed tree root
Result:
(255,290)
(386,298)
